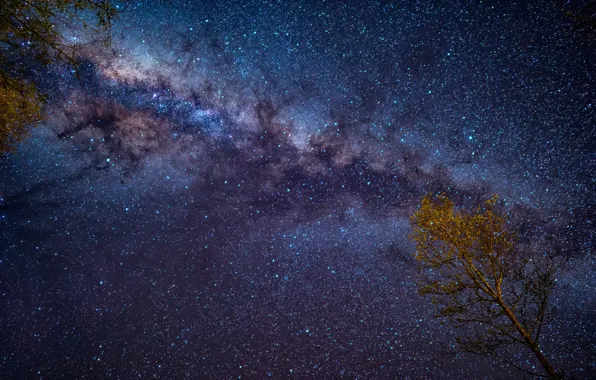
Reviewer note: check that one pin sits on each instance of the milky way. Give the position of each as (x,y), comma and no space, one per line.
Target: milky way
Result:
(225,192)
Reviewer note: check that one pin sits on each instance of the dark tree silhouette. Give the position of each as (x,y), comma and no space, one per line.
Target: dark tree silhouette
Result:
(44,31)
(494,293)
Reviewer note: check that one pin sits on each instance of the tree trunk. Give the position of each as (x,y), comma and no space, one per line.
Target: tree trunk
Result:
(531,343)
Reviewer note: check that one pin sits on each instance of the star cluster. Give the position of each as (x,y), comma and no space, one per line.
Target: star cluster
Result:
(225,192)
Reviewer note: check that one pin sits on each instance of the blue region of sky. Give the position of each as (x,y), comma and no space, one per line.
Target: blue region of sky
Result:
(225,192)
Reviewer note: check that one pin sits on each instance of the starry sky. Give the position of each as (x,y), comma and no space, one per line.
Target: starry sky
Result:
(225,192)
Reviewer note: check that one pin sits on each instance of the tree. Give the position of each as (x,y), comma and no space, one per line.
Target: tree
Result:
(481,280)
(46,32)
(19,106)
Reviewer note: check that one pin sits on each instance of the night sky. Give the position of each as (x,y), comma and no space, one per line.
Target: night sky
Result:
(226,192)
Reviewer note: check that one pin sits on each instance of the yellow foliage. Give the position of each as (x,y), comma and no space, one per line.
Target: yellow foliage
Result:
(34,30)
(477,277)
(465,246)
(19,108)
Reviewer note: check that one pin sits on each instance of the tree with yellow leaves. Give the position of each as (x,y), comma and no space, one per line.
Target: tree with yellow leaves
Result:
(19,106)
(44,31)
(480,279)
